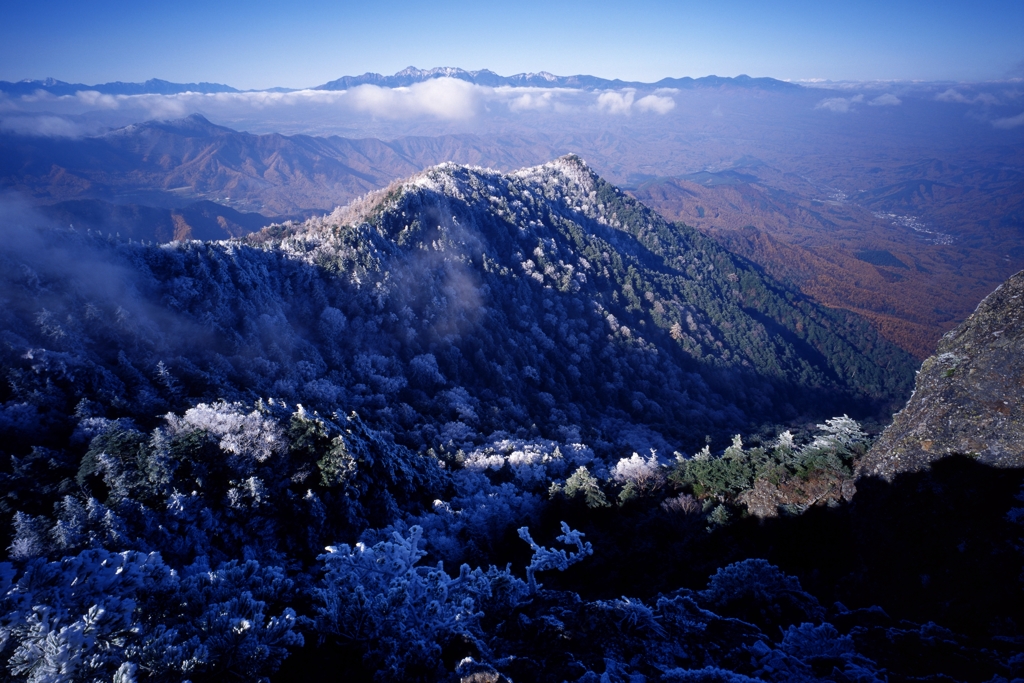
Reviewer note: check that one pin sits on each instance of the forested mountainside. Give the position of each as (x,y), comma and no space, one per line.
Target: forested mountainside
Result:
(170,163)
(352,443)
(911,232)
(203,220)
(455,305)
(968,395)
(914,256)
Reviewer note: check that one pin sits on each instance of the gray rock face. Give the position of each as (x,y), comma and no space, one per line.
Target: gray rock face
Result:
(969,397)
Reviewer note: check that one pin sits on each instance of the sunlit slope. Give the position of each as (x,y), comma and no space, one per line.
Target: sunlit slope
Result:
(914,256)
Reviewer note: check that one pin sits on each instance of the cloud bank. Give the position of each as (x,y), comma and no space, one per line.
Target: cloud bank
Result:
(441,99)
(844,105)
(952,95)
(1010,122)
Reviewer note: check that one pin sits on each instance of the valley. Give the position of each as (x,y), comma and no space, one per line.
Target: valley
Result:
(918,223)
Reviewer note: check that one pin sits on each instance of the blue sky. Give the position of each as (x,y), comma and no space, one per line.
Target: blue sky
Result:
(258,45)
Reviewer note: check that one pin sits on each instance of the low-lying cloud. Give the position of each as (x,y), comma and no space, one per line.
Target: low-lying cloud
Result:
(952,95)
(839,105)
(44,125)
(624,102)
(1010,122)
(616,102)
(440,99)
(844,105)
(659,104)
(886,100)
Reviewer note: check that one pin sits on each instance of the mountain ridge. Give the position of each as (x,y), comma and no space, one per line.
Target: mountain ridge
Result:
(543,79)
(546,287)
(404,78)
(168,162)
(153,86)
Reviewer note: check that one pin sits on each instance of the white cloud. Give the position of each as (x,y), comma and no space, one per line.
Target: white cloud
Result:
(840,105)
(952,95)
(616,102)
(1010,122)
(531,100)
(362,108)
(44,125)
(442,98)
(886,100)
(656,103)
(264,100)
(97,100)
(163,106)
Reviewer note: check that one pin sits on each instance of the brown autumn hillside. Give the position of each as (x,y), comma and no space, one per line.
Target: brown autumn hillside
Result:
(869,253)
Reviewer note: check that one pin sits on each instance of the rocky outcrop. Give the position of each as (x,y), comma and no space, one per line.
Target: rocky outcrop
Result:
(969,397)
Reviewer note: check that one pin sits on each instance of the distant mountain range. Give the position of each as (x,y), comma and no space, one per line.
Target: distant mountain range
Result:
(403,78)
(153,86)
(543,79)
(173,163)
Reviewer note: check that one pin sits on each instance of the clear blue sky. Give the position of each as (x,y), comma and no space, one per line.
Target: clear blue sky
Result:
(256,45)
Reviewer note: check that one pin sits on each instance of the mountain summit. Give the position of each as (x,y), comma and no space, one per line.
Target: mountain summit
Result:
(576,302)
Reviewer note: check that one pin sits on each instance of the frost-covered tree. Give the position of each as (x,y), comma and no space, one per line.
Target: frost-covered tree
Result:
(638,475)
(545,559)
(402,612)
(97,614)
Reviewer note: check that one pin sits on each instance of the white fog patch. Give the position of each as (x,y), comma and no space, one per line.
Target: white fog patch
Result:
(952,95)
(623,102)
(531,101)
(443,98)
(1010,122)
(166,106)
(886,100)
(89,112)
(47,126)
(840,105)
(97,100)
(658,104)
(955,96)
(263,100)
